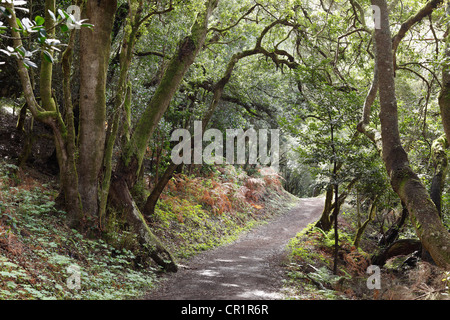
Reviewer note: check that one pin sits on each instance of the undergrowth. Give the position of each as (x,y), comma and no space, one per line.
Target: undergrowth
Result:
(199,213)
(309,270)
(40,255)
(311,261)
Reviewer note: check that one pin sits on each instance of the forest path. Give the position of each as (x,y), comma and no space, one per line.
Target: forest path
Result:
(247,269)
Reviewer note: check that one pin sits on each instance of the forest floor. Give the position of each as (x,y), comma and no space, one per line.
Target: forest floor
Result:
(250,268)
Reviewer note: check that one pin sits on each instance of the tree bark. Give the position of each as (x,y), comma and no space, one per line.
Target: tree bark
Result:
(444,96)
(400,247)
(126,173)
(94,61)
(122,199)
(424,215)
(46,72)
(69,175)
(150,204)
(440,163)
(324,222)
(362,228)
(187,51)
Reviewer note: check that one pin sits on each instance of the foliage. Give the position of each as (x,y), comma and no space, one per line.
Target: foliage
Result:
(36,250)
(310,265)
(36,28)
(310,79)
(197,213)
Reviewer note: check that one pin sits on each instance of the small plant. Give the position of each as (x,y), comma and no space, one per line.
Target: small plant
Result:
(446,281)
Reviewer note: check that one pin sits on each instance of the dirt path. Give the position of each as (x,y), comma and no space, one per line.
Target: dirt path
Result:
(248,269)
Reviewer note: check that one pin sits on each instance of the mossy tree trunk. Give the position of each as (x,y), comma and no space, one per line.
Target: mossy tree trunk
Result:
(398,248)
(405,182)
(126,174)
(324,222)
(362,228)
(327,217)
(122,101)
(95,47)
(444,96)
(69,174)
(48,113)
(440,163)
(185,55)
(151,245)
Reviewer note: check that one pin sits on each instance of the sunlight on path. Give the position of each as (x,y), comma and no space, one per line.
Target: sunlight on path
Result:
(250,268)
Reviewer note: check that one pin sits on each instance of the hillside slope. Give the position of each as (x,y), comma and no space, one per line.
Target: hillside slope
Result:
(40,258)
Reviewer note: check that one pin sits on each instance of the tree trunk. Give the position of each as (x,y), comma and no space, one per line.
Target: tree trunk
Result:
(150,204)
(440,162)
(444,96)
(362,228)
(398,248)
(94,61)
(393,232)
(46,72)
(424,215)
(122,199)
(187,51)
(324,222)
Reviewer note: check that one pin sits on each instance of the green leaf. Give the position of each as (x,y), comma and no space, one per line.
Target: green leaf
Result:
(47,55)
(39,20)
(88,25)
(29,63)
(21,51)
(64,28)
(63,14)
(19,23)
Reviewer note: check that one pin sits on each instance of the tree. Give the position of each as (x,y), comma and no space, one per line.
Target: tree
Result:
(130,162)
(80,177)
(94,62)
(48,112)
(406,184)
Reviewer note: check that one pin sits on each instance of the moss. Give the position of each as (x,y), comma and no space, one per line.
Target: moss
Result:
(174,74)
(416,224)
(400,177)
(117,234)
